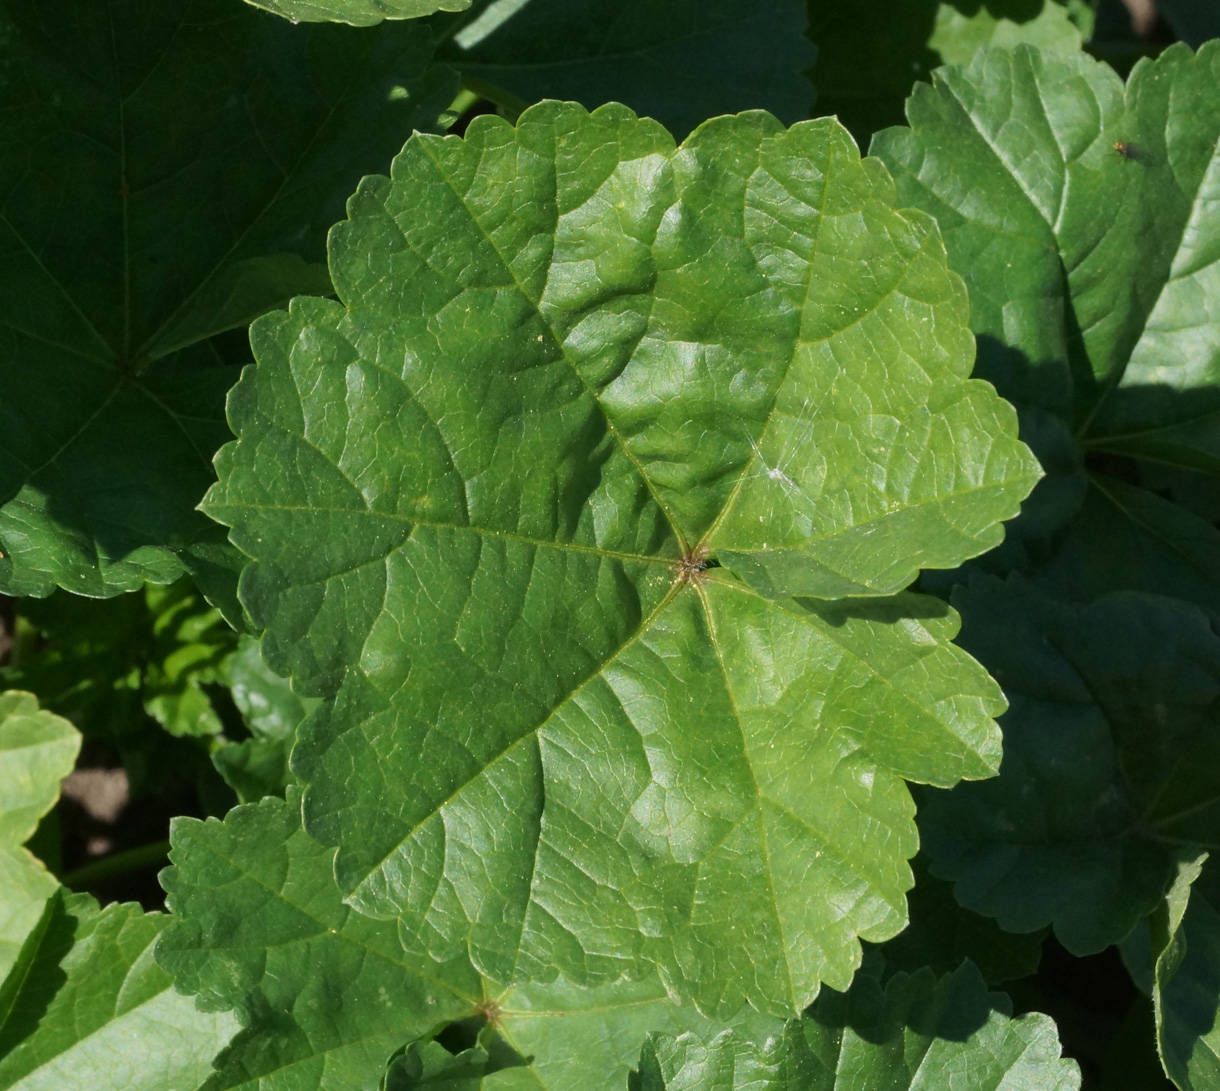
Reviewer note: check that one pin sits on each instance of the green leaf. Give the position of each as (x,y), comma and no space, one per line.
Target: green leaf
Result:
(324,995)
(941,934)
(1187,968)
(870,55)
(95,1011)
(361,13)
(572,365)
(919,1033)
(327,995)
(1084,217)
(680,63)
(110,665)
(258,766)
(1109,761)
(37,750)
(157,191)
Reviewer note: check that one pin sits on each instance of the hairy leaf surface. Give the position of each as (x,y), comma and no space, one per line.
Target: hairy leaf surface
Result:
(1110,749)
(570,365)
(681,63)
(920,1033)
(168,170)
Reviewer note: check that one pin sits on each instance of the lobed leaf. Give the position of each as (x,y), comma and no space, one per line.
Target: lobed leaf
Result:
(37,750)
(919,1033)
(1083,216)
(573,365)
(168,171)
(1110,744)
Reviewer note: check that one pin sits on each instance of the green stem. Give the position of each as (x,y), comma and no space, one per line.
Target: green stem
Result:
(119,863)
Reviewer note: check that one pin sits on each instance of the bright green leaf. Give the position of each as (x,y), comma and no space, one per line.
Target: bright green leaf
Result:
(1084,217)
(93,1009)
(680,63)
(37,750)
(156,191)
(958,35)
(1110,752)
(920,1033)
(570,363)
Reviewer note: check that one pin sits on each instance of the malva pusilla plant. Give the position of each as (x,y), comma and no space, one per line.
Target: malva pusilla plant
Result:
(586,579)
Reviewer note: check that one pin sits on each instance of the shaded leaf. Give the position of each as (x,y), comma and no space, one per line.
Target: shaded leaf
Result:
(649,762)
(680,63)
(920,1033)
(94,1010)
(871,55)
(1110,747)
(361,13)
(258,766)
(156,191)
(1186,989)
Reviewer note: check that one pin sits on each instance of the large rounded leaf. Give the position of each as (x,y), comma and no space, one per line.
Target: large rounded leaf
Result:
(572,367)
(166,187)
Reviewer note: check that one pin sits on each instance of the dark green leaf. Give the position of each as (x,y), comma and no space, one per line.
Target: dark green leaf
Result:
(570,363)
(168,170)
(1187,976)
(1110,751)
(871,54)
(681,62)
(921,1033)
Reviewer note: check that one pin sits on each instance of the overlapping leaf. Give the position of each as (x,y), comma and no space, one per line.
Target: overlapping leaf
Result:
(1083,216)
(1110,749)
(570,364)
(1187,967)
(919,1033)
(680,63)
(871,54)
(90,1008)
(37,750)
(168,169)
(327,996)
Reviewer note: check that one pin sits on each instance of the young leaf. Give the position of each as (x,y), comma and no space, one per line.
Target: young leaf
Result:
(1110,750)
(919,1033)
(157,191)
(93,1009)
(1083,216)
(680,63)
(572,366)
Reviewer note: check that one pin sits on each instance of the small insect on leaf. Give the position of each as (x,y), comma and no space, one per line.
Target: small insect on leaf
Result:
(1127,151)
